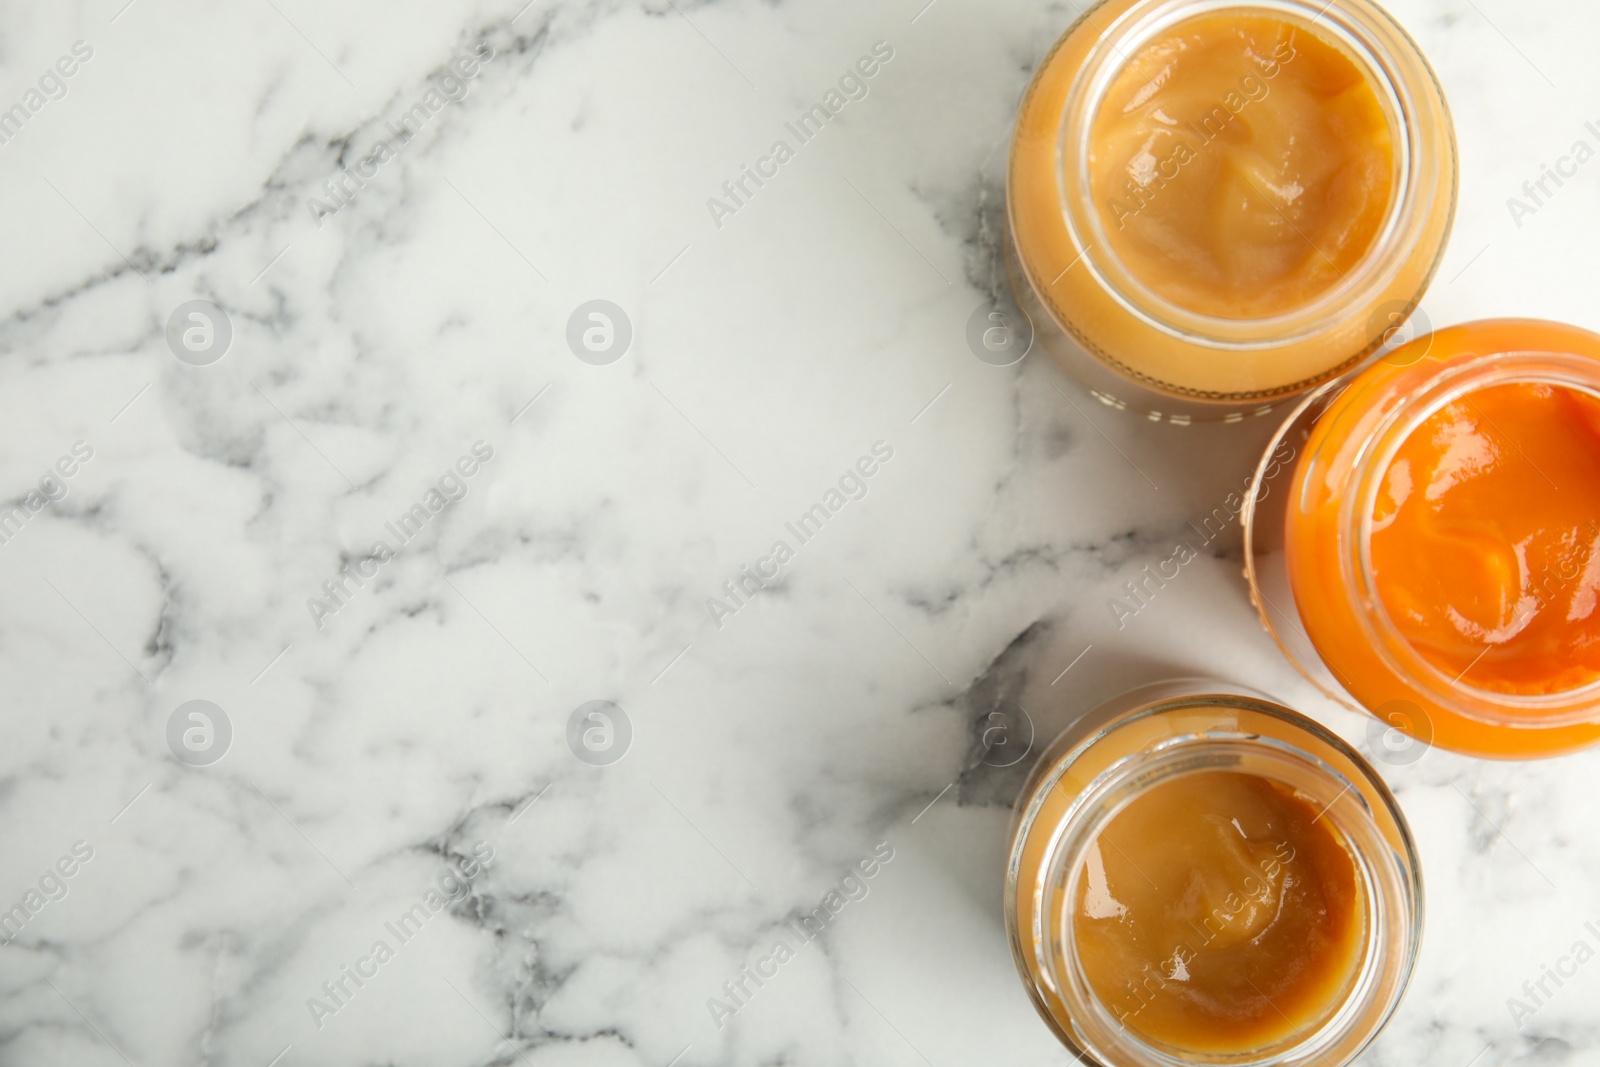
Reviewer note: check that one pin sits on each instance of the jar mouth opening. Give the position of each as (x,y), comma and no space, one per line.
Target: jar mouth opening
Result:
(1363,42)
(1566,707)
(1389,901)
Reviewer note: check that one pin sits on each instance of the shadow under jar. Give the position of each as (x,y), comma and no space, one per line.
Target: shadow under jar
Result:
(1201,876)
(1215,206)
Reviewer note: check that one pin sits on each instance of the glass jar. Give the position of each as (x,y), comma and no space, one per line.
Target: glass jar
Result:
(1134,348)
(1309,555)
(1156,735)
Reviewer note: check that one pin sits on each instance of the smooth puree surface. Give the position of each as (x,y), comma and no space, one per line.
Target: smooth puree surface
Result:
(1226,208)
(1218,912)
(1241,165)
(1486,539)
(1442,555)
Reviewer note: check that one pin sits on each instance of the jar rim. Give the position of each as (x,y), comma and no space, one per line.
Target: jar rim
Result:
(1370,37)
(1450,383)
(1388,870)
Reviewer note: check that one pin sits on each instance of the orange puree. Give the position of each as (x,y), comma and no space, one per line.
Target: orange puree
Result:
(1486,539)
(1219,913)
(1213,208)
(1241,165)
(1442,538)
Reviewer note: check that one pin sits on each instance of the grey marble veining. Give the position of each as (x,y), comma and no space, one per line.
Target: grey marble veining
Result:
(399,533)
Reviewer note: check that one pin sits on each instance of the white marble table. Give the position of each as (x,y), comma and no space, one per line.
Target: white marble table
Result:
(409,735)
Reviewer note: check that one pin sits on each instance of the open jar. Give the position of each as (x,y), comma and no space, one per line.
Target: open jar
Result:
(1215,205)
(1434,558)
(1199,875)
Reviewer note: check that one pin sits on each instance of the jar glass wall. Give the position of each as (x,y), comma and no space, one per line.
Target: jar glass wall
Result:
(1168,255)
(1230,898)
(1482,636)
